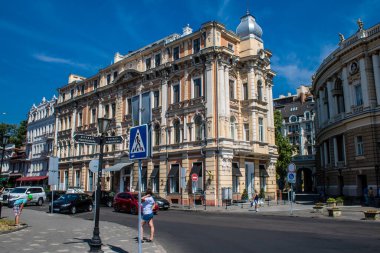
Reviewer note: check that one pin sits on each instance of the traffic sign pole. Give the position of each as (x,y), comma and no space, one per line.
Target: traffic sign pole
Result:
(139,208)
(291,199)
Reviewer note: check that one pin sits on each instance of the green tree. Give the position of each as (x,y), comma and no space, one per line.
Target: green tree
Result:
(285,150)
(20,136)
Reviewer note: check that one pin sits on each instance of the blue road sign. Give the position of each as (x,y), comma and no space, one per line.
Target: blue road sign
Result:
(292,177)
(138,142)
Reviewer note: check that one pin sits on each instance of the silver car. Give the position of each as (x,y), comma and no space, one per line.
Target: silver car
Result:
(4,196)
(38,193)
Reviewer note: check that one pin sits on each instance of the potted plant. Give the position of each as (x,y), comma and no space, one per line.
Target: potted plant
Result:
(339,201)
(334,212)
(244,196)
(318,208)
(331,202)
(372,215)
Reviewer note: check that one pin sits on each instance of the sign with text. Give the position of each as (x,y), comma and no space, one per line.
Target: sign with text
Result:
(113,140)
(53,170)
(86,139)
(138,142)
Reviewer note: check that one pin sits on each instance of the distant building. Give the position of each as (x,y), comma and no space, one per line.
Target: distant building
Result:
(39,142)
(298,125)
(347,91)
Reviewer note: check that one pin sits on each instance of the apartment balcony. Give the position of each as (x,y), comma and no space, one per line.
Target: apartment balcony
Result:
(64,133)
(156,112)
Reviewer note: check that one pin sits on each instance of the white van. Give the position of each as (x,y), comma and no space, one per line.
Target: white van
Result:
(38,193)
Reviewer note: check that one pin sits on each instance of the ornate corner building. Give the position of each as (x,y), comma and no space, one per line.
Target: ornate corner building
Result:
(207,98)
(298,114)
(347,91)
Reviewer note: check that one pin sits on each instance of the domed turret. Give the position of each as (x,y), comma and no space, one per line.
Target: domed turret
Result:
(248,28)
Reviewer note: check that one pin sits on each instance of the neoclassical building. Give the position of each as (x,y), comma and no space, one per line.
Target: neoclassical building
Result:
(347,91)
(207,98)
(39,141)
(298,115)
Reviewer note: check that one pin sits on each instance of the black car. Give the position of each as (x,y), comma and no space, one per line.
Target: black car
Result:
(56,195)
(106,198)
(72,203)
(161,202)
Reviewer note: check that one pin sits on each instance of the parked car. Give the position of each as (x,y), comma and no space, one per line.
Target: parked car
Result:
(106,198)
(74,190)
(161,202)
(4,196)
(38,193)
(56,195)
(72,203)
(128,201)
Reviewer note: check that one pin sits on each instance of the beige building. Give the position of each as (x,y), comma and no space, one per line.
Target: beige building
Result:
(207,97)
(347,90)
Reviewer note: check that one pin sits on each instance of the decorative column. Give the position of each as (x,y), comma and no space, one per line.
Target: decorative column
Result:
(364,83)
(346,91)
(251,81)
(332,106)
(335,151)
(325,154)
(376,72)
(226,102)
(164,101)
(209,90)
(221,91)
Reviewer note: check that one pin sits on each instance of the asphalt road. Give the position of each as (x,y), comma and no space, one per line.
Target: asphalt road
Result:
(181,231)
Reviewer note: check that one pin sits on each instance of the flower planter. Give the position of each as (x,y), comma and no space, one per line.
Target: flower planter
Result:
(372,215)
(339,203)
(334,212)
(318,209)
(331,204)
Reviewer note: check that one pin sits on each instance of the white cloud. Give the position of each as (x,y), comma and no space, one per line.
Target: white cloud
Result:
(50,59)
(294,74)
(222,8)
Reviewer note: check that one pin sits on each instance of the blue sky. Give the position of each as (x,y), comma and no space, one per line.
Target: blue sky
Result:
(42,42)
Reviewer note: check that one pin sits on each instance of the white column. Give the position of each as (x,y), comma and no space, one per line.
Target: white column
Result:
(364,82)
(164,101)
(376,71)
(185,129)
(227,90)
(221,91)
(346,91)
(209,91)
(251,83)
(332,105)
(270,106)
(325,153)
(73,123)
(335,151)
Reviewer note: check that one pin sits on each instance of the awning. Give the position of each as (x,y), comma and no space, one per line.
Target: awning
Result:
(196,169)
(118,166)
(174,172)
(143,171)
(154,172)
(235,170)
(36,178)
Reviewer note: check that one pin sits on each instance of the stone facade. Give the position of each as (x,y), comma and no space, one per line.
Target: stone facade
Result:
(207,97)
(347,91)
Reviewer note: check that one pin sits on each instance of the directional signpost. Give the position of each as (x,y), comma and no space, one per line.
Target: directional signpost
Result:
(138,149)
(86,139)
(113,139)
(291,180)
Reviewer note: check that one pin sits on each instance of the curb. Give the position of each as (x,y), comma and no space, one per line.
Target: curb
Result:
(14,230)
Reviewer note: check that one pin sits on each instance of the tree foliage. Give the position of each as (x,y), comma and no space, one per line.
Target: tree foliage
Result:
(17,133)
(285,150)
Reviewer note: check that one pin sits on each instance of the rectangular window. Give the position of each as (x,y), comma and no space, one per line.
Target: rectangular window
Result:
(80,119)
(155,181)
(93,115)
(72,93)
(129,105)
(106,111)
(358,95)
(246,132)
(261,130)
(175,53)
(232,89)
(174,179)
(147,63)
(359,145)
(63,97)
(245,91)
(113,110)
(95,84)
(156,96)
(114,75)
(157,60)
(82,89)
(196,45)
(108,79)
(231,46)
(197,87)
(176,93)
(77,178)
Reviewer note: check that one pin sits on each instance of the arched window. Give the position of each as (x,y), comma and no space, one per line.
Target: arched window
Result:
(233,127)
(259,90)
(338,92)
(198,128)
(177,132)
(157,134)
(307,115)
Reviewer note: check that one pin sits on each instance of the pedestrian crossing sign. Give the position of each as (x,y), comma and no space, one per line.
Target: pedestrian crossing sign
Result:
(138,142)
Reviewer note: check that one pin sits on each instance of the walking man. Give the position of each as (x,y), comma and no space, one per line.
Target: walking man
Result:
(147,205)
(18,206)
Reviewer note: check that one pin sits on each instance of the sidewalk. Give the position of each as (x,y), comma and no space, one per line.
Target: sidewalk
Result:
(47,233)
(281,209)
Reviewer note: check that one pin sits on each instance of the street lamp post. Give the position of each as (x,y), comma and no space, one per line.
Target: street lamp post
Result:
(96,242)
(4,141)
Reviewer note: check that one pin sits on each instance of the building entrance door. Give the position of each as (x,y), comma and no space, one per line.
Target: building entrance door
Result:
(362,184)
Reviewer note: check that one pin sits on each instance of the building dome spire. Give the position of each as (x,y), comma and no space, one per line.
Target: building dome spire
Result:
(248,28)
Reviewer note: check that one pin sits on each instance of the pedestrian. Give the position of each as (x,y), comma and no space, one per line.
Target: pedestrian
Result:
(18,205)
(147,208)
(371,196)
(365,193)
(256,202)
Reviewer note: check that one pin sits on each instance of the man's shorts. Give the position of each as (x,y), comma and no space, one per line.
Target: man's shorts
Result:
(16,210)
(147,217)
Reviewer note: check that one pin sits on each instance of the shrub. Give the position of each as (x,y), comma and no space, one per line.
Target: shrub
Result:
(331,200)
(244,196)
(340,199)
(262,193)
